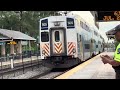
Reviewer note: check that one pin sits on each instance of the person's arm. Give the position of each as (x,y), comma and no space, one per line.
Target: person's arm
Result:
(110,61)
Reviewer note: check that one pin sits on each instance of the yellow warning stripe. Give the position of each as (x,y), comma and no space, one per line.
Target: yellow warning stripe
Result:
(72,71)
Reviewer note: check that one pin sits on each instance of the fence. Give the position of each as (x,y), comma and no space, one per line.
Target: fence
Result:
(19,61)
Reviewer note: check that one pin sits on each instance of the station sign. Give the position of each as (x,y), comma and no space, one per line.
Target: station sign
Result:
(108,16)
(12,42)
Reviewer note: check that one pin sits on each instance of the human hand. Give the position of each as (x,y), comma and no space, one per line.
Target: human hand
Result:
(108,57)
(104,59)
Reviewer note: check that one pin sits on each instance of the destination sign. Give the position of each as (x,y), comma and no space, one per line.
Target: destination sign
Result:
(108,16)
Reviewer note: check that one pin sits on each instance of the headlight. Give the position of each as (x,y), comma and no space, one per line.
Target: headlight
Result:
(43,52)
(74,50)
(57,23)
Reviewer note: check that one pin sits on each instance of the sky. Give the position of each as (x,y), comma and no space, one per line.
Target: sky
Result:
(103,26)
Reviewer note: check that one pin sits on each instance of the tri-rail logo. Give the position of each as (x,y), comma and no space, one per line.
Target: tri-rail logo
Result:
(44,24)
(70,23)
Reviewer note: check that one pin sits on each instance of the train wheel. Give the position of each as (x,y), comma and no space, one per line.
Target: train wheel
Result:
(99,52)
(79,60)
(93,55)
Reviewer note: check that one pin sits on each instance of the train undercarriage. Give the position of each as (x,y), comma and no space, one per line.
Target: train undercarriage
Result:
(60,61)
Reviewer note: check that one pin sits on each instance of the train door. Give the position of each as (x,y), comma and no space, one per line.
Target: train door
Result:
(91,47)
(97,49)
(81,48)
(57,42)
(0,50)
(78,44)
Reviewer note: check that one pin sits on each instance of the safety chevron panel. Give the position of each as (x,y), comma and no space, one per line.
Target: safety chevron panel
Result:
(70,48)
(46,49)
(58,47)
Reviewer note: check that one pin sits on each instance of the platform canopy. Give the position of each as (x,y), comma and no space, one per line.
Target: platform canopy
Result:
(110,33)
(17,35)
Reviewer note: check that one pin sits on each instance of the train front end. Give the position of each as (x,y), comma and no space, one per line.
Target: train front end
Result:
(56,48)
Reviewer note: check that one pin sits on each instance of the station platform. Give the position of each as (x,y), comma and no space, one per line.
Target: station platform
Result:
(91,69)
(18,61)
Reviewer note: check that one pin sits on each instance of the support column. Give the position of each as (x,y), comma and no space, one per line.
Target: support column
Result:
(29,48)
(3,50)
(11,49)
(20,49)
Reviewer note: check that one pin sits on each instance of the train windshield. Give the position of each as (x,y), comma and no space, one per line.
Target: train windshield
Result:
(44,36)
(57,36)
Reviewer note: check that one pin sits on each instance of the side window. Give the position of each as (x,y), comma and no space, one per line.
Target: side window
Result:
(81,23)
(87,46)
(94,41)
(96,46)
(57,36)
(84,25)
(44,36)
(79,37)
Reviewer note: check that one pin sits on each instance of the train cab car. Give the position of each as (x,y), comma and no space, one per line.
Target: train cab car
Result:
(58,41)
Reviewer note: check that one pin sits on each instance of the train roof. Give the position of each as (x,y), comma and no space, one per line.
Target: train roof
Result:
(55,17)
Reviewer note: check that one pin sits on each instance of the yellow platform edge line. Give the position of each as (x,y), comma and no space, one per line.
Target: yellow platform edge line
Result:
(81,66)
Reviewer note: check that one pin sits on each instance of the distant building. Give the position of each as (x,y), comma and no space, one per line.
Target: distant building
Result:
(95,15)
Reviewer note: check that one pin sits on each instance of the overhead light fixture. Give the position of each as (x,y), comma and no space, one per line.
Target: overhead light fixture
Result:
(57,23)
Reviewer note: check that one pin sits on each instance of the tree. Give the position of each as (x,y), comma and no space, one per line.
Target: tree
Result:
(29,20)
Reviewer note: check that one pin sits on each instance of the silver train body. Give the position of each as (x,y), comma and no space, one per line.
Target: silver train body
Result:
(66,41)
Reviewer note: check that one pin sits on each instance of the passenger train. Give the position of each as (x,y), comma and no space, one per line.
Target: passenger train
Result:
(68,40)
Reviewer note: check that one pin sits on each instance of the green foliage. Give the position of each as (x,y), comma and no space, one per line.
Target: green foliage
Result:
(24,21)
(28,20)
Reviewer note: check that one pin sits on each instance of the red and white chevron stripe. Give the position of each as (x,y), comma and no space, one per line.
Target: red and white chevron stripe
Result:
(46,49)
(58,47)
(71,45)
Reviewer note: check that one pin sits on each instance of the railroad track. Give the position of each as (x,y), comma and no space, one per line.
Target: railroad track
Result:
(49,74)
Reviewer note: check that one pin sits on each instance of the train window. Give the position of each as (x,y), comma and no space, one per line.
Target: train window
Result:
(44,36)
(99,42)
(95,33)
(79,37)
(92,41)
(57,36)
(81,23)
(84,26)
(87,28)
(96,46)
(87,46)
